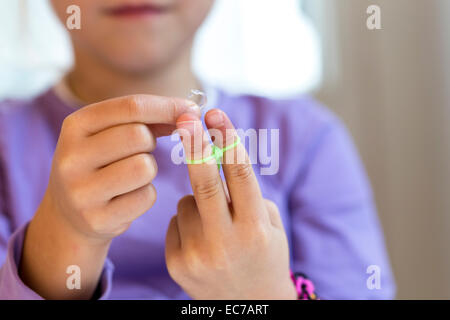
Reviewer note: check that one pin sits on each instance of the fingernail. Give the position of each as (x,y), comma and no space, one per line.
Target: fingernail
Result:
(215,119)
(192,106)
(189,126)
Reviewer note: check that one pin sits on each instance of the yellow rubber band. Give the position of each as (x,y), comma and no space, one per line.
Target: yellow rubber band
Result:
(216,153)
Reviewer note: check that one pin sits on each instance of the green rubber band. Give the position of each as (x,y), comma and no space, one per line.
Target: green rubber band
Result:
(217,154)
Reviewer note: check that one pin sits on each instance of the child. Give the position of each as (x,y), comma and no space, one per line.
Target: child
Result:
(80,166)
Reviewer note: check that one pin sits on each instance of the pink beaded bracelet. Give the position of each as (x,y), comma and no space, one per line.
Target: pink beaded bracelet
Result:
(304,286)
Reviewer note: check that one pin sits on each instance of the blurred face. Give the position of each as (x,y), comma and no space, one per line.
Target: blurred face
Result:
(135,36)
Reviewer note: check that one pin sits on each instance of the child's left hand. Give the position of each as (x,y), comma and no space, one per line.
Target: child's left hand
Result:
(222,246)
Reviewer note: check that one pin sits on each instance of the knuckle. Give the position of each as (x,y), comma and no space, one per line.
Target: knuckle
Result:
(80,199)
(68,122)
(241,172)
(145,166)
(96,225)
(185,215)
(173,109)
(66,164)
(207,188)
(259,234)
(120,229)
(174,265)
(140,135)
(193,261)
(72,124)
(270,205)
(220,259)
(134,105)
(85,215)
(149,196)
(90,220)
(185,202)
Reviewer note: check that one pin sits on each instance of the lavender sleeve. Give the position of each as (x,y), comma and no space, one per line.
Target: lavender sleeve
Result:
(336,235)
(12,287)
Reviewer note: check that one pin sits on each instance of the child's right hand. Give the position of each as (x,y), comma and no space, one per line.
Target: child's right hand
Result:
(100,181)
(102,172)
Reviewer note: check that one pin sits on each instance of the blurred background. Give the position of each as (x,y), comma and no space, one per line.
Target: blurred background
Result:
(390,86)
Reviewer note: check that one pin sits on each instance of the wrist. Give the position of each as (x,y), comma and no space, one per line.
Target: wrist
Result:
(289,292)
(281,290)
(50,247)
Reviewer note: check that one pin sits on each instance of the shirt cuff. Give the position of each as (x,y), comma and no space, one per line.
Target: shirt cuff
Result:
(11,285)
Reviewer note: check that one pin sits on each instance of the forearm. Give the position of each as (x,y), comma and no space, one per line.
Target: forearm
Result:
(50,247)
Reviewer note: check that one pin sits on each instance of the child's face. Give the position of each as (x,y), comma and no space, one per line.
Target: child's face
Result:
(129,35)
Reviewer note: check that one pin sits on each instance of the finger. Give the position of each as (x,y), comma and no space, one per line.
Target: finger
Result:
(117,143)
(128,207)
(225,189)
(205,179)
(162,130)
(146,109)
(123,176)
(173,243)
(189,221)
(246,197)
(274,214)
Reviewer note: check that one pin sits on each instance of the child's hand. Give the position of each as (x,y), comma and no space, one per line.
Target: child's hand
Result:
(100,181)
(102,173)
(221,248)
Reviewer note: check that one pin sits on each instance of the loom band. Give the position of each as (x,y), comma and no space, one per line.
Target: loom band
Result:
(216,153)
(205,160)
(232,146)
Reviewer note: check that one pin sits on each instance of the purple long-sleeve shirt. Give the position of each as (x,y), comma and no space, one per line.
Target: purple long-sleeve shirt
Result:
(321,190)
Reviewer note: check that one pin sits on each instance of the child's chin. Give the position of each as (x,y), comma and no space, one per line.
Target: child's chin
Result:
(136,61)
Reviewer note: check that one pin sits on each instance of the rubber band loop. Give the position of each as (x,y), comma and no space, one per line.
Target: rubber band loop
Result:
(216,153)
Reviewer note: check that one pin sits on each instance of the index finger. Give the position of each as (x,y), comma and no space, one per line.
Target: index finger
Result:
(147,109)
